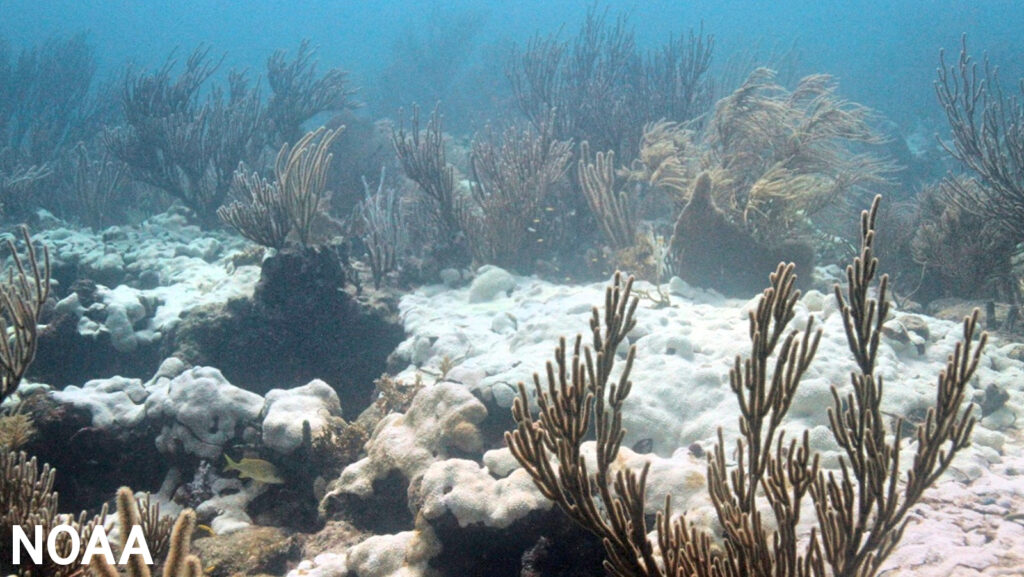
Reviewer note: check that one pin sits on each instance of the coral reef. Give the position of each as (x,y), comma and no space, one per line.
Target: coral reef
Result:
(189,417)
(214,340)
(124,290)
(860,512)
(305,325)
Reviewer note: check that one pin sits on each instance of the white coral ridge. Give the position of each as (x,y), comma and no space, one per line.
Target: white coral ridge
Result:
(404,554)
(199,411)
(473,496)
(193,270)
(490,283)
(684,352)
(286,410)
(681,395)
(441,418)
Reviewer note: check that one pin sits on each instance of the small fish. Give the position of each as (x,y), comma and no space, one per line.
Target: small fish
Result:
(696,450)
(256,469)
(644,446)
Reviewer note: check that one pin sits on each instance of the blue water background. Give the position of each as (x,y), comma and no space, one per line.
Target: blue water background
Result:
(884,53)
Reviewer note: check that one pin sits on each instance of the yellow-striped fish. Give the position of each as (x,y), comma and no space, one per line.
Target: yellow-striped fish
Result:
(256,469)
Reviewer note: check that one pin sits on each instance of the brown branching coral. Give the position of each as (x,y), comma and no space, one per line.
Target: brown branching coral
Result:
(779,156)
(776,157)
(338,444)
(608,503)
(259,214)
(582,86)
(860,529)
(971,254)
(988,138)
(27,499)
(732,71)
(611,195)
(156,528)
(611,206)
(270,211)
(646,260)
(181,144)
(178,563)
(512,179)
(383,228)
(395,396)
(422,156)
(599,87)
(860,510)
(24,288)
(16,429)
(764,396)
(302,179)
(298,94)
(667,154)
(676,81)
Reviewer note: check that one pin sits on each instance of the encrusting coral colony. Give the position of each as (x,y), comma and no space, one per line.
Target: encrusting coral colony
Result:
(299,334)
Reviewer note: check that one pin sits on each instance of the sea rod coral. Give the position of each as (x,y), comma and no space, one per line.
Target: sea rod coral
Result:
(24,288)
(860,511)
